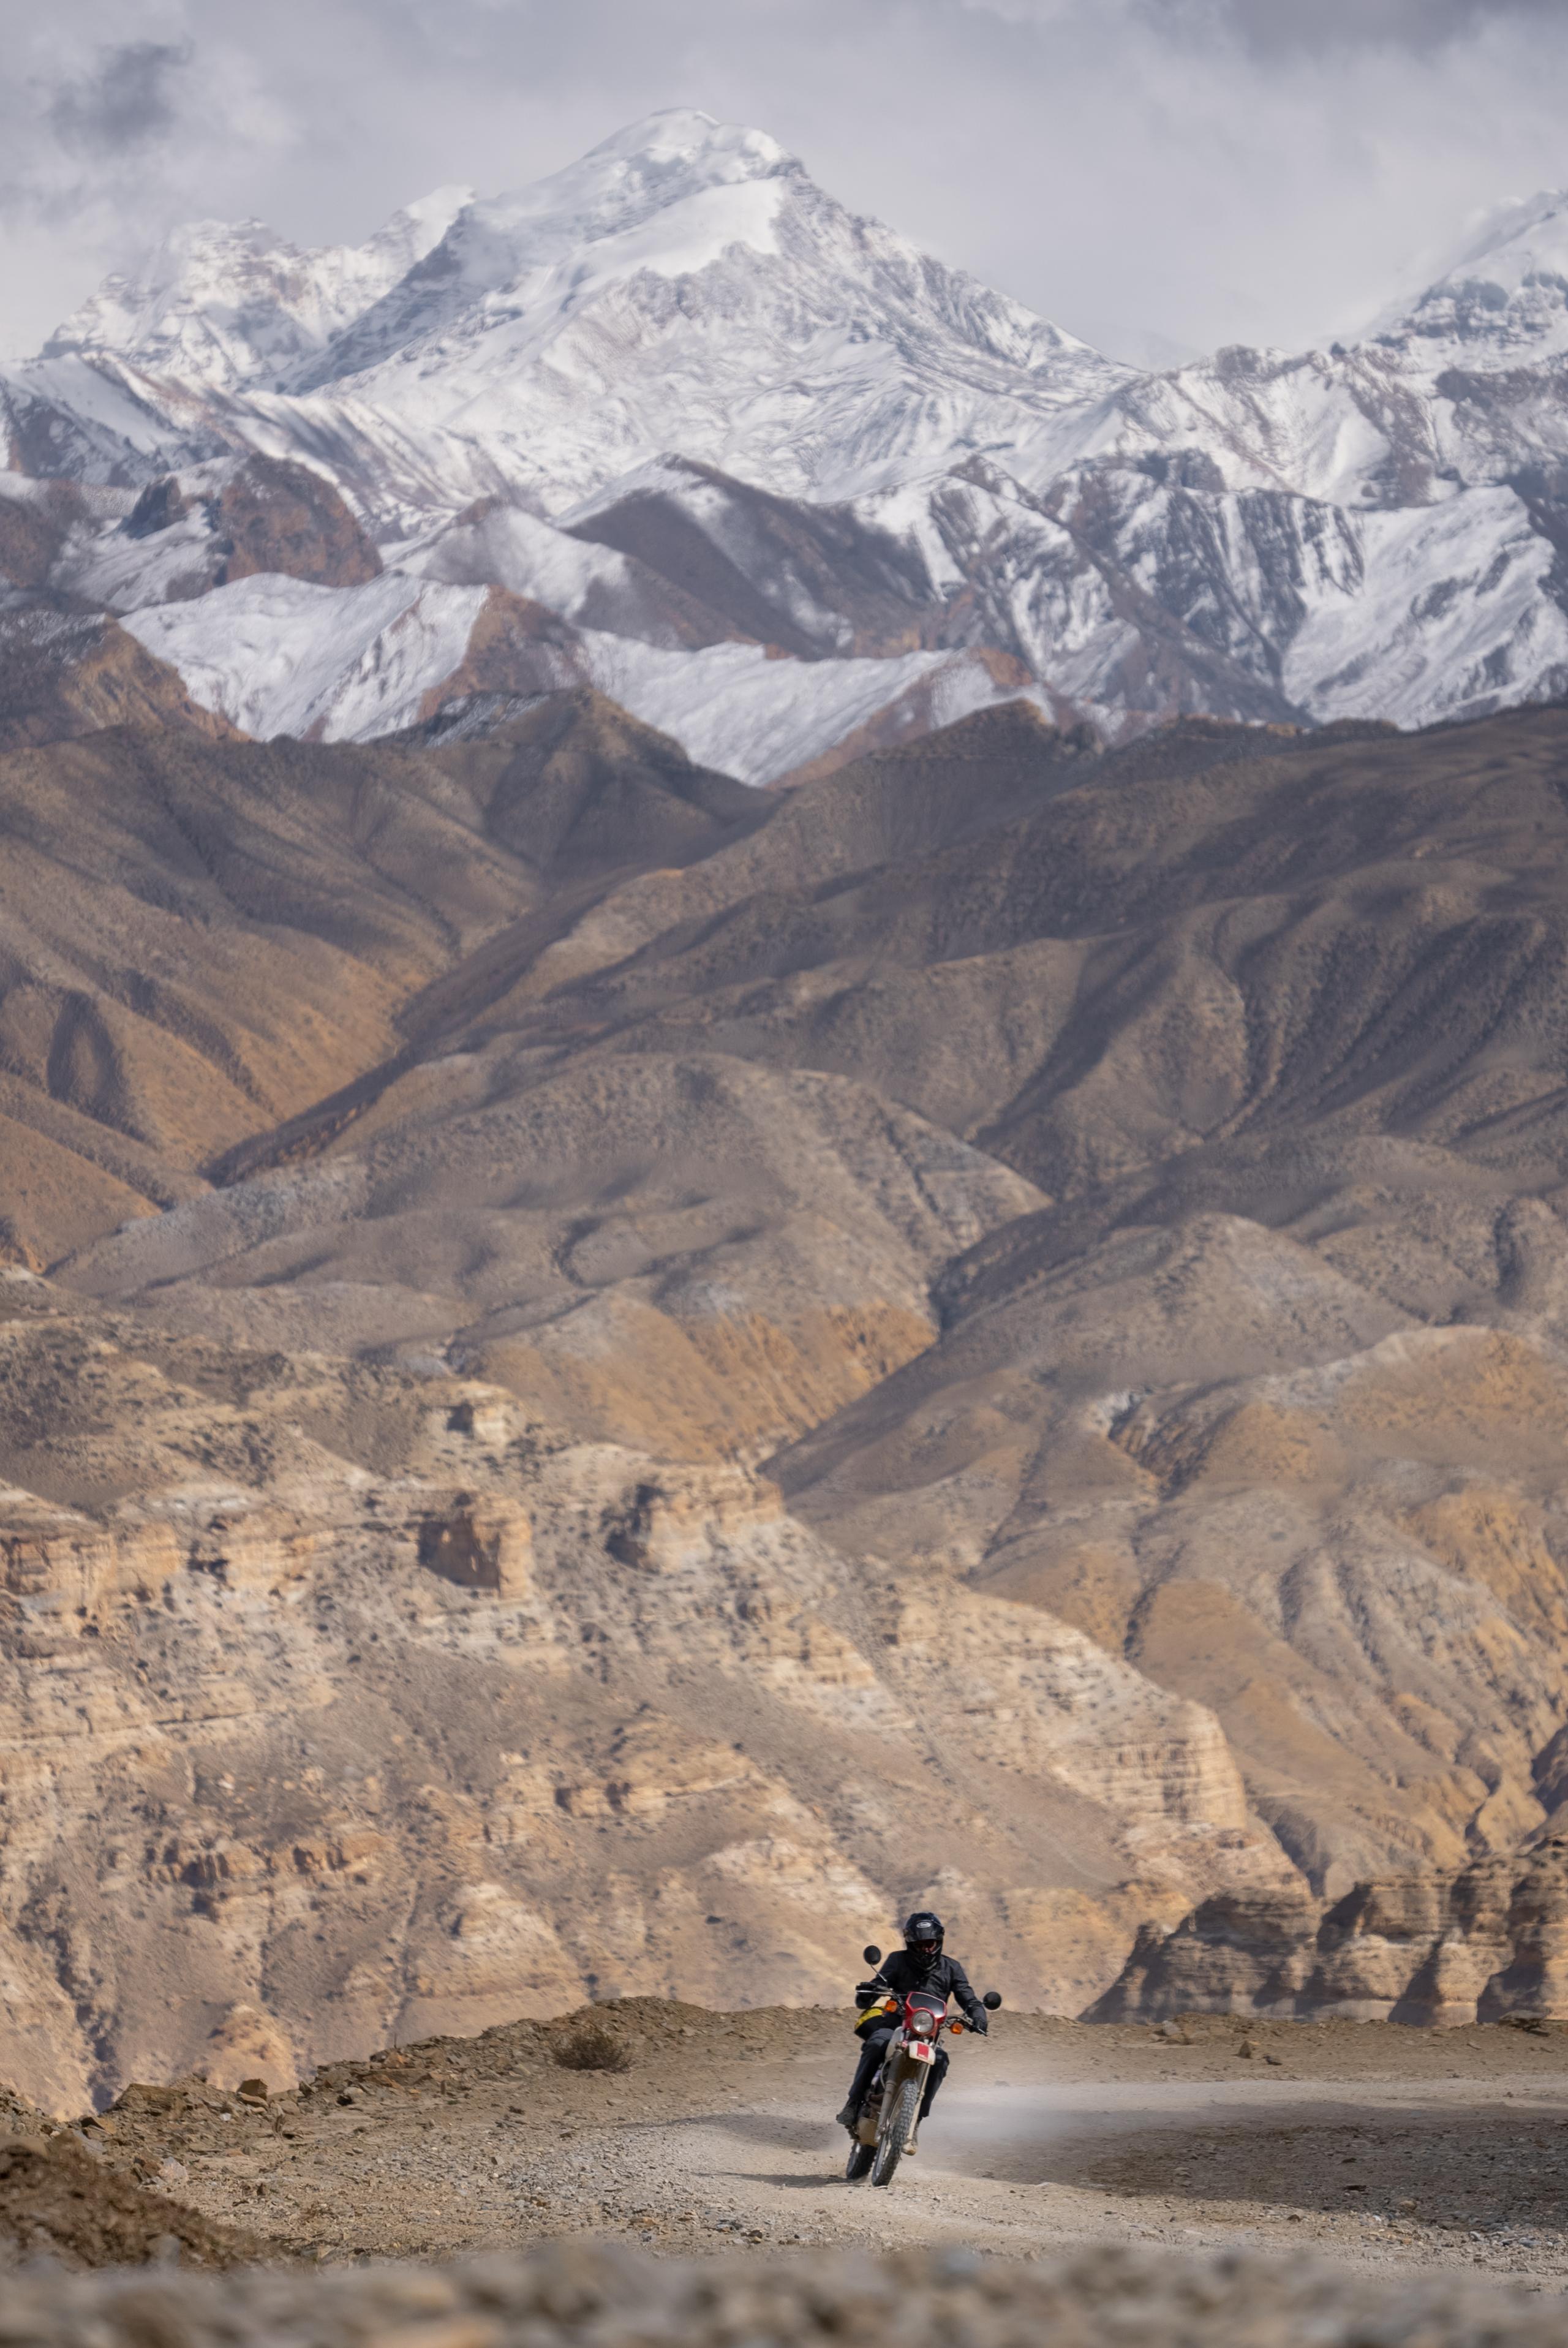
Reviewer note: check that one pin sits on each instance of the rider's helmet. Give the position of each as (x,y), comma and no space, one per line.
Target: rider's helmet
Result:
(923,1935)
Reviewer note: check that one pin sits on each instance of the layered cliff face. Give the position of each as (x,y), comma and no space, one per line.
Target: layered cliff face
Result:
(339,1706)
(1485,1944)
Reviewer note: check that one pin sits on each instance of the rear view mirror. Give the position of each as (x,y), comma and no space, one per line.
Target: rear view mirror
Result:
(992,2000)
(871,1954)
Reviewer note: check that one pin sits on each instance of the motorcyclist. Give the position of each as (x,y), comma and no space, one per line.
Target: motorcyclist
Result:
(919,1964)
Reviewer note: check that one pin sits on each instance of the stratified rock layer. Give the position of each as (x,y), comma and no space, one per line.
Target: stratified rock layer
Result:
(1488,1942)
(356,1704)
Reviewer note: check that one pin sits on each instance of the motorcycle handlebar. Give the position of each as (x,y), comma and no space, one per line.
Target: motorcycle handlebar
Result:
(867,1993)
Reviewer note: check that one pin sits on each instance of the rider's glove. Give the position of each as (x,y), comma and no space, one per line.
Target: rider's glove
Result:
(980,2027)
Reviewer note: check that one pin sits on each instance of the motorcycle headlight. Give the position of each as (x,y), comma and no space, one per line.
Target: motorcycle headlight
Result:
(923,2025)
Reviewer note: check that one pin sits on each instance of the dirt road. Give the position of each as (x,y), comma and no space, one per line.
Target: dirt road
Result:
(1379,2146)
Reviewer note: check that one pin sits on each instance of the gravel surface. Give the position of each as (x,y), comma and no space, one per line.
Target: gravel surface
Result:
(1384,2149)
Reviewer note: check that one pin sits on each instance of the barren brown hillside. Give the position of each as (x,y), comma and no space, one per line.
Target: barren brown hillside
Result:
(1114,1199)
(201,937)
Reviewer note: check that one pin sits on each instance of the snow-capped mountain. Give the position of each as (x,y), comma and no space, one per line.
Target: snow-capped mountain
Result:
(1500,302)
(684,404)
(227,304)
(686,288)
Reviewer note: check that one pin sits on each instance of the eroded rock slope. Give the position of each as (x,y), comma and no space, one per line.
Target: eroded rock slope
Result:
(1488,1943)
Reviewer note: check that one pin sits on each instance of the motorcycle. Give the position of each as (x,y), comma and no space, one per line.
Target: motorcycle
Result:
(889,2124)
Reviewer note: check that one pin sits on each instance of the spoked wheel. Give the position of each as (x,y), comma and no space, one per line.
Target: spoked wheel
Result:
(860,2158)
(896,2129)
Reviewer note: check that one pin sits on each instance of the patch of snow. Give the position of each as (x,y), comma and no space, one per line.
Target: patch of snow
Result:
(760,719)
(337,664)
(510,548)
(1447,620)
(281,656)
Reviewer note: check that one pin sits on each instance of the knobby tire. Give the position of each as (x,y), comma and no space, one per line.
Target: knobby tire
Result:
(896,2134)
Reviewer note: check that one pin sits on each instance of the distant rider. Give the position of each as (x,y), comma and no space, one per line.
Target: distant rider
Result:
(919,1964)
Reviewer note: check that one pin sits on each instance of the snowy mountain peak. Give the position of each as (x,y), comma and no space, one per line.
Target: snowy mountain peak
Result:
(232,302)
(1502,300)
(558,302)
(683,134)
(649,168)
(536,342)
(667,195)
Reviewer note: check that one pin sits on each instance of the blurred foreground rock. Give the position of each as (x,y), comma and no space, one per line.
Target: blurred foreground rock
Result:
(604,2295)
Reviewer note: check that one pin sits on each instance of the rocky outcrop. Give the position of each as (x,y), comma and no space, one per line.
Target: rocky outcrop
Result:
(479,1543)
(1489,1942)
(63,676)
(515,648)
(35,518)
(274,516)
(668,1524)
(185,534)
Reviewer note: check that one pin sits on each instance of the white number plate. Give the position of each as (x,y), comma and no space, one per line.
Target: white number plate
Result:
(919,2050)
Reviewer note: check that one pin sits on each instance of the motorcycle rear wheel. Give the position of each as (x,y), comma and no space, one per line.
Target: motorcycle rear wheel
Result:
(896,2129)
(860,2158)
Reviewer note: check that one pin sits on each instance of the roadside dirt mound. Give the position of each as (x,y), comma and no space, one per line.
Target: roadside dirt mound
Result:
(564,2295)
(57,2200)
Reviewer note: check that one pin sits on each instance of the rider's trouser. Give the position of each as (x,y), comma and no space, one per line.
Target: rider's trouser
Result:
(871,2052)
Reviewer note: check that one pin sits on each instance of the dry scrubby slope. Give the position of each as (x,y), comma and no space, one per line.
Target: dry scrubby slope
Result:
(1114,1198)
(199,939)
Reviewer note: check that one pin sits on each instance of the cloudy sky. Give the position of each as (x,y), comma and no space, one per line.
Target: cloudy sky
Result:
(1158,175)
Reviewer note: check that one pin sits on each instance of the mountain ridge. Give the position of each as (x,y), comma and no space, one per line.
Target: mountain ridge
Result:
(858,451)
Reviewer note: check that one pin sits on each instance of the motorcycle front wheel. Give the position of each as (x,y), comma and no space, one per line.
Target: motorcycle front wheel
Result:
(897,2127)
(860,2158)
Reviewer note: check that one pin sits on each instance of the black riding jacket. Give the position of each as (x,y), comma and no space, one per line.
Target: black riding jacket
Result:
(943,1976)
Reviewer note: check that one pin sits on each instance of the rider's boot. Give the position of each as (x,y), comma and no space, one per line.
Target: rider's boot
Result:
(850,2118)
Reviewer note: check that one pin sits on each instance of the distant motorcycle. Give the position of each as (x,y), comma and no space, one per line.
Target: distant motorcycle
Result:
(890,2116)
